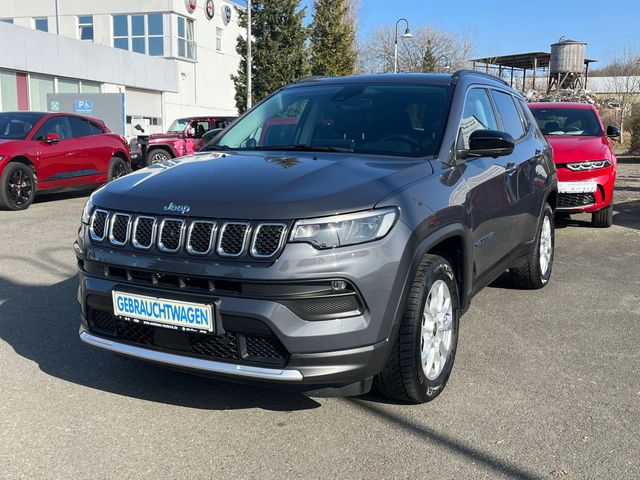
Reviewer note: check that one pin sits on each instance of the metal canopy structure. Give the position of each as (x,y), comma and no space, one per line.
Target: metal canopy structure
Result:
(521,62)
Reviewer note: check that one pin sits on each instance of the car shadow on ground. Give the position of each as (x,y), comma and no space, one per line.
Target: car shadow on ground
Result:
(52,197)
(41,324)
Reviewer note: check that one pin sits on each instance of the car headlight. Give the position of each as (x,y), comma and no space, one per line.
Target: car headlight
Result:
(86,212)
(588,165)
(341,230)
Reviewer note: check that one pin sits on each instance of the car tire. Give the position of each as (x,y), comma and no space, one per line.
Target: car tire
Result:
(602,218)
(157,155)
(17,186)
(536,270)
(117,168)
(429,328)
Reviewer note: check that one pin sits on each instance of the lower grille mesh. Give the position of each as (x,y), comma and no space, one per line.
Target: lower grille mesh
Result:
(574,200)
(258,349)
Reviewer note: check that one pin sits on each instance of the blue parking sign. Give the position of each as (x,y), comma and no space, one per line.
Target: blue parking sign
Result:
(84,106)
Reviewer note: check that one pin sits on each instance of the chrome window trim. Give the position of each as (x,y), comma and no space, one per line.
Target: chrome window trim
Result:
(190,250)
(161,246)
(92,232)
(134,241)
(219,249)
(283,237)
(112,221)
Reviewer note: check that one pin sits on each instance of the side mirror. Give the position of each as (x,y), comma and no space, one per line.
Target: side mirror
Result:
(210,135)
(613,131)
(52,138)
(490,143)
(191,132)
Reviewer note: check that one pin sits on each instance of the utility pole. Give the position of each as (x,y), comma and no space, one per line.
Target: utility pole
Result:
(249,102)
(57,19)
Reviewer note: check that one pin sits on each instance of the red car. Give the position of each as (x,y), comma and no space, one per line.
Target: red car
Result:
(583,154)
(55,151)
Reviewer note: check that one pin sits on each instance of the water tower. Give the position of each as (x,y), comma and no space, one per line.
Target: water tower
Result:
(566,68)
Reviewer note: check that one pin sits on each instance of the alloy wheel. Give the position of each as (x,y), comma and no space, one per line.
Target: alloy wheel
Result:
(437,335)
(20,187)
(546,246)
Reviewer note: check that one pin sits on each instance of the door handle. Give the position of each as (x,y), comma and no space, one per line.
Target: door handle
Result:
(511,168)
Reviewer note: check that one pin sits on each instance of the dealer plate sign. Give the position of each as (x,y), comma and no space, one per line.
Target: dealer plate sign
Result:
(163,312)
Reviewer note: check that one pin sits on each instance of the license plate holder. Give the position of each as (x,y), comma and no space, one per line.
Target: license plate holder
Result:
(181,315)
(577,187)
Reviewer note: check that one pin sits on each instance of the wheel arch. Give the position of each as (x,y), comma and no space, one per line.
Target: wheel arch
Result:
(166,148)
(25,161)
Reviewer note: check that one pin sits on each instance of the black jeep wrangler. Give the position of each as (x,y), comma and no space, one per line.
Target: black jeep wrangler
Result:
(329,239)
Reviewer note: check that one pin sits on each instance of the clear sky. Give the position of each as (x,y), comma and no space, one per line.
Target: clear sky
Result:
(504,27)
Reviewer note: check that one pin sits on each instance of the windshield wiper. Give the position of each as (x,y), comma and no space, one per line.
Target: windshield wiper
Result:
(305,148)
(209,148)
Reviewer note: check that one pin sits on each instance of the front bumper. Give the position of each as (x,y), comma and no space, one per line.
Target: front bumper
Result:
(586,191)
(332,351)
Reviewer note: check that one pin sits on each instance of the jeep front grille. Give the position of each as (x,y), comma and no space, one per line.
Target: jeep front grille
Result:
(231,239)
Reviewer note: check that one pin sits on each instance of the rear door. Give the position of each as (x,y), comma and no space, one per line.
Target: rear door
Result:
(491,199)
(195,135)
(520,167)
(93,150)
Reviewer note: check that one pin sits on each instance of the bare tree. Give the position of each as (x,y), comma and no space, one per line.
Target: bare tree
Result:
(451,51)
(623,81)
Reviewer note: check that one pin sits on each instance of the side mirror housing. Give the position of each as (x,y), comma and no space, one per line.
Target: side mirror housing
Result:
(489,143)
(613,131)
(52,138)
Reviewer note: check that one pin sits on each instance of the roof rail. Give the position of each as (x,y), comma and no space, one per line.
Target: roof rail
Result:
(312,78)
(461,73)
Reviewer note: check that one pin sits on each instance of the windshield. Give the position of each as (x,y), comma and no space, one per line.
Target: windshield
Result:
(568,121)
(16,126)
(178,125)
(406,120)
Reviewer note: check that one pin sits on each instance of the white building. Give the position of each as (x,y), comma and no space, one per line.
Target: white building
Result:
(171,58)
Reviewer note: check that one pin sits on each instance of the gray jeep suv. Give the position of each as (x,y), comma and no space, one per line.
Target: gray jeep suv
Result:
(329,239)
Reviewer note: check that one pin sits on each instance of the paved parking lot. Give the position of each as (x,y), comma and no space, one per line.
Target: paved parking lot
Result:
(546,383)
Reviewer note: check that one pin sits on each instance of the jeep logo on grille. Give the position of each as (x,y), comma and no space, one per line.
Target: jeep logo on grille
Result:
(172,207)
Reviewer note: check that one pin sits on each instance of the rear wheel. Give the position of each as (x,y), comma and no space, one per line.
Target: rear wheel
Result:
(157,155)
(421,361)
(602,218)
(536,270)
(117,168)
(17,186)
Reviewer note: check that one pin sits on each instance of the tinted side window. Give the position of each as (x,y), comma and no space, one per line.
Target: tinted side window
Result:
(95,129)
(511,121)
(57,125)
(80,127)
(526,115)
(478,115)
(200,127)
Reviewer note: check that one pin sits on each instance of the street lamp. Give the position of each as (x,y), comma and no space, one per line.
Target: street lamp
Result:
(249,59)
(407,34)
(447,65)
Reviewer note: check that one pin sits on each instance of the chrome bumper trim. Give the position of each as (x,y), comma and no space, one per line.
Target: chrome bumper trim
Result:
(206,366)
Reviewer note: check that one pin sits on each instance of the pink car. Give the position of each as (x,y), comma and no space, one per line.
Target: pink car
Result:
(184,137)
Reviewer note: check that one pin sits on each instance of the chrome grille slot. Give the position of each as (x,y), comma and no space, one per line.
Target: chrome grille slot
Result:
(120,227)
(98,227)
(144,229)
(267,240)
(233,239)
(200,237)
(170,237)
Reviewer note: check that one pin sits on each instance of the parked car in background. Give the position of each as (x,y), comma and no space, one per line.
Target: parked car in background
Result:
(583,154)
(184,137)
(50,151)
(338,248)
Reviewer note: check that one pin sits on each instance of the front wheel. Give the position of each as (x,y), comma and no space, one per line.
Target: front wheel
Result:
(17,186)
(157,155)
(536,270)
(117,168)
(421,361)
(602,218)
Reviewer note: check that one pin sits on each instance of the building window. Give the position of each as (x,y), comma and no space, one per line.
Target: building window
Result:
(89,87)
(7,20)
(8,91)
(219,39)
(85,27)
(39,87)
(66,85)
(41,24)
(139,33)
(186,45)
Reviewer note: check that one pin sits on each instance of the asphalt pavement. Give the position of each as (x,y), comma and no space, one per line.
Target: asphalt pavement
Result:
(546,383)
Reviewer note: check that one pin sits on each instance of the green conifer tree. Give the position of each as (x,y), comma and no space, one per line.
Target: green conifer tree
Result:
(332,38)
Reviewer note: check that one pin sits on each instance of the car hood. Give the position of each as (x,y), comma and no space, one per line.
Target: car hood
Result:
(249,186)
(576,149)
(8,142)
(155,137)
